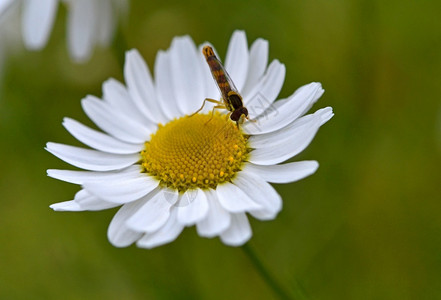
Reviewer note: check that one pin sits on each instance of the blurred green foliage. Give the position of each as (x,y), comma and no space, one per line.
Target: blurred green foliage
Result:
(367,225)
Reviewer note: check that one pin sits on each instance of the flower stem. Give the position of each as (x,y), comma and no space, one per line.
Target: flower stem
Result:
(269,279)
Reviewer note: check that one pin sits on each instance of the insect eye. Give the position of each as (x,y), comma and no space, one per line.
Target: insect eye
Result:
(244,111)
(235,116)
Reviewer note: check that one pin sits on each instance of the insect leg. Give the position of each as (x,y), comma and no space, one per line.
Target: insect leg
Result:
(251,120)
(212,112)
(203,103)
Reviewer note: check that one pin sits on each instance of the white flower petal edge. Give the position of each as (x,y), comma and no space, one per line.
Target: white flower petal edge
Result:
(81,28)
(283,112)
(257,65)
(195,210)
(236,62)
(284,173)
(80,177)
(116,94)
(268,150)
(265,90)
(166,234)
(118,233)
(164,86)
(262,193)
(217,219)
(89,22)
(122,190)
(91,159)
(98,140)
(83,201)
(239,231)
(292,131)
(38,18)
(4,5)
(141,88)
(234,200)
(187,74)
(114,123)
(155,212)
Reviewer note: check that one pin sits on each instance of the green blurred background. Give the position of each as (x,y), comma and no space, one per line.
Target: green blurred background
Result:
(367,225)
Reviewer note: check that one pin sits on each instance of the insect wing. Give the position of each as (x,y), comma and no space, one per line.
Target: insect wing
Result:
(221,77)
(228,83)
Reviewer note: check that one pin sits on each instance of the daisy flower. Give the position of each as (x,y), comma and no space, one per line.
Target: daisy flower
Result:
(90,22)
(168,170)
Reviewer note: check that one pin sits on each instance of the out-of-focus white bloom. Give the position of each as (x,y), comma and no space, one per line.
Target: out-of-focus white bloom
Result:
(89,22)
(37,21)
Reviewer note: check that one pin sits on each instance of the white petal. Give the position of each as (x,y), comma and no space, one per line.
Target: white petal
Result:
(278,146)
(83,201)
(66,206)
(325,114)
(80,177)
(4,5)
(38,19)
(234,199)
(140,86)
(164,86)
(257,64)
(262,193)
(285,173)
(236,62)
(274,153)
(88,201)
(91,159)
(195,210)
(217,218)
(114,123)
(81,28)
(319,92)
(123,190)
(118,233)
(166,234)
(282,104)
(239,231)
(116,94)
(186,75)
(283,112)
(266,90)
(290,132)
(99,140)
(155,212)
(317,95)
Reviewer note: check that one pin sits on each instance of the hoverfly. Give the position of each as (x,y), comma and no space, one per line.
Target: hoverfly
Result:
(231,99)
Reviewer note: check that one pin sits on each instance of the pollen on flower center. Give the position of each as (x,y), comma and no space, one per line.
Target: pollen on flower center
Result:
(195,152)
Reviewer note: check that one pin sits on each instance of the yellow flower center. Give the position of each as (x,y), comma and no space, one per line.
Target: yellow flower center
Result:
(195,152)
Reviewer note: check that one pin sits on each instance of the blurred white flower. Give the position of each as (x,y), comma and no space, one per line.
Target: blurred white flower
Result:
(168,170)
(90,22)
